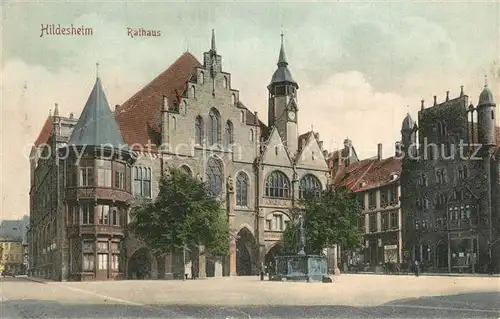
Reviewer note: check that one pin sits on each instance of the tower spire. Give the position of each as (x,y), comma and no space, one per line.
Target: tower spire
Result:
(282,57)
(212,47)
(486,80)
(97,69)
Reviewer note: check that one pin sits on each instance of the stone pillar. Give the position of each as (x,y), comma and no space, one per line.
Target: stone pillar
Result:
(218,268)
(230,203)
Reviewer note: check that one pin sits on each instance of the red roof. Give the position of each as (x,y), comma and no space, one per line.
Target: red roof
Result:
(139,117)
(45,133)
(368,173)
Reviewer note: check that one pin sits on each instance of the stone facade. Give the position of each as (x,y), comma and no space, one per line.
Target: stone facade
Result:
(450,185)
(191,117)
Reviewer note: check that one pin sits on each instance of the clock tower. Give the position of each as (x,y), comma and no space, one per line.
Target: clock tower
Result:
(283,103)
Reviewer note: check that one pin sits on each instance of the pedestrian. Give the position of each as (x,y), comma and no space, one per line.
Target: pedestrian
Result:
(416,268)
(262,271)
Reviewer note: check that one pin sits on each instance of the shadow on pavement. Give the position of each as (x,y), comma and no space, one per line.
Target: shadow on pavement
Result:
(470,305)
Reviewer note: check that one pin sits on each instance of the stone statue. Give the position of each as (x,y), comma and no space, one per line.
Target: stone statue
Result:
(230,184)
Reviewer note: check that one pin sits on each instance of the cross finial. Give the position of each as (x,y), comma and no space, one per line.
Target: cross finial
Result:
(486,80)
(97,69)
(282,34)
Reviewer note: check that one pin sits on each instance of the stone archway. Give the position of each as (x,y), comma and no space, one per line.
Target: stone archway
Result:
(141,265)
(273,252)
(245,253)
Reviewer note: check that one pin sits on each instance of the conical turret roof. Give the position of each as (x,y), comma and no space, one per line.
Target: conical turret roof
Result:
(96,125)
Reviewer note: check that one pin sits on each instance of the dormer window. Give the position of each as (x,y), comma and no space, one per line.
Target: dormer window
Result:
(242,116)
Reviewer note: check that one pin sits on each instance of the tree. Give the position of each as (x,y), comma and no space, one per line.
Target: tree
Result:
(184,214)
(330,217)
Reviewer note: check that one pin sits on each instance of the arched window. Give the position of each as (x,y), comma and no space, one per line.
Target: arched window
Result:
(224,82)
(186,169)
(242,116)
(198,130)
(242,189)
(214,176)
(214,127)
(309,183)
(277,185)
(228,134)
(251,135)
(193,92)
(202,78)
(174,123)
(233,99)
(184,105)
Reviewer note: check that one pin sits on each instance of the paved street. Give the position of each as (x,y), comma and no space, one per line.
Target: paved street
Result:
(350,296)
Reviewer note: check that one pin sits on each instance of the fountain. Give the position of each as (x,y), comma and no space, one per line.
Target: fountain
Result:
(301,267)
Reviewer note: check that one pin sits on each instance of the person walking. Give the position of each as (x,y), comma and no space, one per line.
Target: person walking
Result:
(416,268)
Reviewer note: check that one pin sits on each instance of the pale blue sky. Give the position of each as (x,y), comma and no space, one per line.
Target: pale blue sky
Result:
(358,64)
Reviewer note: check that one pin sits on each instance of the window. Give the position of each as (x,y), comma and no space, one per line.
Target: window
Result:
(202,78)
(372,200)
(224,82)
(115,262)
(71,172)
(242,189)
(86,173)
(87,214)
(185,169)
(102,260)
(119,175)
(278,221)
(250,135)
(277,185)
(142,181)
(103,173)
(198,130)
(103,246)
(309,184)
(422,180)
(193,92)
(88,262)
(440,176)
(233,99)
(392,194)
(213,127)
(384,216)
(269,224)
(373,223)
(361,223)
(361,200)
(215,176)
(88,246)
(115,247)
(228,135)
(242,116)
(394,220)
(103,214)
(463,172)
(174,123)
(70,219)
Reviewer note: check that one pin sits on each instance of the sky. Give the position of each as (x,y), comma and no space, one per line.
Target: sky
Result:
(360,66)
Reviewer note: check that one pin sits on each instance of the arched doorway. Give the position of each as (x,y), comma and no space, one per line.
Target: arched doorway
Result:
(245,248)
(273,252)
(442,255)
(140,264)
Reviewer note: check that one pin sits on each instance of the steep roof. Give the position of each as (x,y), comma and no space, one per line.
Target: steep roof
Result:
(45,133)
(139,117)
(96,125)
(368,173)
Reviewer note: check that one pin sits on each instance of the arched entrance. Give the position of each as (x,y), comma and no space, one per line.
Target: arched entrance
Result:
(245,251)
(140,264)
(442,255)
(273,252)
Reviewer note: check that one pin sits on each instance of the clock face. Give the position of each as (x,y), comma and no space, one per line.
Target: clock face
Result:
(291,115)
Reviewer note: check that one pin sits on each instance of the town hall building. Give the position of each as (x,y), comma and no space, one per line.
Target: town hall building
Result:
(188,117)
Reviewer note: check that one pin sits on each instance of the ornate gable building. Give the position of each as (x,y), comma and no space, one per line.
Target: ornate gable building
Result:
(189,117)
(450,185)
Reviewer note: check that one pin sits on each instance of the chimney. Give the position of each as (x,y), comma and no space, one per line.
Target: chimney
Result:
(116,107)
(256,118)
(461,90)
(435,100)
(379,151)
(71,115)
(447,96)
(398,149)
(422,104)
(165,103)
